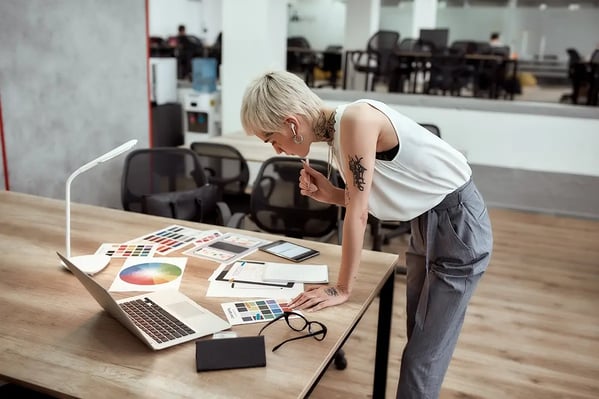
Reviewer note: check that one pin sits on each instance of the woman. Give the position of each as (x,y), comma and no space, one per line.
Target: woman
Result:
(396,170)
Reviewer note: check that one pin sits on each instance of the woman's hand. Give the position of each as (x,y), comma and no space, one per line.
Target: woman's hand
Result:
(320,297)
(314,184)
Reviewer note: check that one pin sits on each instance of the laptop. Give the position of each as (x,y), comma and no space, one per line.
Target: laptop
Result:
(160,319)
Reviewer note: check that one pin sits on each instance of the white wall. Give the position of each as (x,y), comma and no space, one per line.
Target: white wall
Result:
(322,21)
(251,46)
(73,80)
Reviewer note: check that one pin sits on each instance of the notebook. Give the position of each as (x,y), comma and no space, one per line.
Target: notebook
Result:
(160,319)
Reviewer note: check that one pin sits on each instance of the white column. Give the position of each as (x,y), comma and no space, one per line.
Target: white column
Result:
(361,22)
(424,16)
(254,41)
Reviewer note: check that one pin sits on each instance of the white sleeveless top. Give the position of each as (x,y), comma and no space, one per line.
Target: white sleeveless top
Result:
(422,173)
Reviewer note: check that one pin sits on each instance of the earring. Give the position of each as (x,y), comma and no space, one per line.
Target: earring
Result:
(297,139)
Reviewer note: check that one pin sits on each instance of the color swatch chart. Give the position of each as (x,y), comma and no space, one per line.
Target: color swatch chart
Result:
(224,248)
(170,238)
(151,274)
(127,250)
(254,311)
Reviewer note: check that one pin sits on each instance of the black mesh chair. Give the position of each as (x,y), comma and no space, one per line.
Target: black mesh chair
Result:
(374,61)
(278,207)
(331,63)
(170,182)
(227,169)
(301,58)
(449,72)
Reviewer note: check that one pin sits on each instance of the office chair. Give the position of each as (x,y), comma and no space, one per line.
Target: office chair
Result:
(577,74)
(375,59)
(278,207)
(449,73)
(227,169)
(300,58)
(593,95)
(397,228)
(331,64)
(170,182)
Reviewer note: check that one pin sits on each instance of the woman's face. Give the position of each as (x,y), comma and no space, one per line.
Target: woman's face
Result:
(283,143)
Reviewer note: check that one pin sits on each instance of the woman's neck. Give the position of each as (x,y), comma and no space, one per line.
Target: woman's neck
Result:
(324,128)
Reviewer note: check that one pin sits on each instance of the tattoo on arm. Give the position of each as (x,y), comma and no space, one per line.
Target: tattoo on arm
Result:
(355,166)
(331,291)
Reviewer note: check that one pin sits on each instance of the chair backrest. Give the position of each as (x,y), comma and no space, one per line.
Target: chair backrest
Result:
(278,207)
(224,166)
(407,44)
(383,42)
(158,170)
(573,56)
(423,45)
(432,128)
(332,58)
(465,46)
(298,60)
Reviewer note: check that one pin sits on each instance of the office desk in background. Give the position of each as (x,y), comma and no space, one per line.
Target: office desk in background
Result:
(420,61)
(55,338)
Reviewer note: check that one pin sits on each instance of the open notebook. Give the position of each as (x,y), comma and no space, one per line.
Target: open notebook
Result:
(160,319)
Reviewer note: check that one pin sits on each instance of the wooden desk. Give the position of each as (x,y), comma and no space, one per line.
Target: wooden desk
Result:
(55,338)
(255,150)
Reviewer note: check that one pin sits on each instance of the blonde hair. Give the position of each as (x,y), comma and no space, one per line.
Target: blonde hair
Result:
(272,97)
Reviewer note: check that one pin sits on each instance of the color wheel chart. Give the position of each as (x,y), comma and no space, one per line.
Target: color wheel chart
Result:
(254,311)
(151,274)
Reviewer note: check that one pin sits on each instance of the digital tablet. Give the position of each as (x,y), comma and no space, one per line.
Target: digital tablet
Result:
(289,250)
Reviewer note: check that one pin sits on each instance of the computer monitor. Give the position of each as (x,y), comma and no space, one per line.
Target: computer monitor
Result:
(439,37)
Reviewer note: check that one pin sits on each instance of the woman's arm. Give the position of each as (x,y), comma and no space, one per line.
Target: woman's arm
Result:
(358,150)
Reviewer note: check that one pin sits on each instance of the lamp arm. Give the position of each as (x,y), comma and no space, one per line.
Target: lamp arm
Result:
(102,158)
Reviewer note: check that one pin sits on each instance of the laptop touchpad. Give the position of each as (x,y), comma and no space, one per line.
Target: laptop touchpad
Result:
(185,309)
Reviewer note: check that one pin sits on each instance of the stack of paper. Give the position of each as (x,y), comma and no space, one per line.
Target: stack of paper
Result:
(279,272)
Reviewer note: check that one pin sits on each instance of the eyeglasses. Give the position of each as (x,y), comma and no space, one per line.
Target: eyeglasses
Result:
(298,322)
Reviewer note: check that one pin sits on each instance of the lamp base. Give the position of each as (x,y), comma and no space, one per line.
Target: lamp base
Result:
(90,264)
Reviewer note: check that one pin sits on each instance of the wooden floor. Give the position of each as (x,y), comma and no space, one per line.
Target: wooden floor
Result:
(531,331)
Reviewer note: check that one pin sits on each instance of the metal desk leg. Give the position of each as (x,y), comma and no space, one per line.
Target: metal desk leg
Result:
(383,336)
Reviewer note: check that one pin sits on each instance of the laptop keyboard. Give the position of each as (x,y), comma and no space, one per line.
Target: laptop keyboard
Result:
(155,321)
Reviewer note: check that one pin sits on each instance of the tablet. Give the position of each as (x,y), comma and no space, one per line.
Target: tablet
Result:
(289,250)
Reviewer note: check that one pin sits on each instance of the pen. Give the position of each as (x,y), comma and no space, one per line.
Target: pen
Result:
(232,280)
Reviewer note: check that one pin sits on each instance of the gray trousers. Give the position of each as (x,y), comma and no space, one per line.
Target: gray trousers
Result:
(449,250)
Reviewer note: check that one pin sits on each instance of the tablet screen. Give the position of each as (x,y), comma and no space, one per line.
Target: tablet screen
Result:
(289,250)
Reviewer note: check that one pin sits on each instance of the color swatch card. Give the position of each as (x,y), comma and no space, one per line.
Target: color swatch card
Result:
(227,248)
(254,311)
(169,239)
(246,274)
(150,274)
(207,237)
(127,250)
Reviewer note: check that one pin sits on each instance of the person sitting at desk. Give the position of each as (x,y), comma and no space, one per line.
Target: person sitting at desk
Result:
(494,40)
(396,170)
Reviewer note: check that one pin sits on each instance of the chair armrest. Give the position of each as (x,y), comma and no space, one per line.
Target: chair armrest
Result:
(236,220)
(224,212)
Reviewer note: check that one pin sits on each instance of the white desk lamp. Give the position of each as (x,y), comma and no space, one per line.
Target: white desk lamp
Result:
(89,263)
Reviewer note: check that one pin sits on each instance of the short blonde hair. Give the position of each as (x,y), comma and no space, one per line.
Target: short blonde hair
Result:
(272,97)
